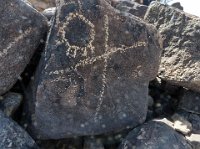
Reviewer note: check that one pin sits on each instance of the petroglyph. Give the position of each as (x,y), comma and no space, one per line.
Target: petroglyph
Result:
(22,35)
(73,49)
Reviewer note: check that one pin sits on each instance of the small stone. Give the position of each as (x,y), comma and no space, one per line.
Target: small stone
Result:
(18,40)
(181,124)
(49,12)
(154,135)
(13,136)
(10,103)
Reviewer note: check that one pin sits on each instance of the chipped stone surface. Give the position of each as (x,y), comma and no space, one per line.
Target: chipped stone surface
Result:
(10,103)
(131,7)
(180,62)
(154,135)
(21,29)
(13,136)
(94,75)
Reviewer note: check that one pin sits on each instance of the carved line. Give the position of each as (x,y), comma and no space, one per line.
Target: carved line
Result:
(12,44)
(74,48)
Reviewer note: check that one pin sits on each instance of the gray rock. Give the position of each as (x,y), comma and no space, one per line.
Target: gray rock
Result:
(21,29)
(10,103)
(131,7)
(93,143)
(194,139)
(190,101)
(180,62)
(49,12)
(154,135)
(177,5)
(94,75)
(13,136)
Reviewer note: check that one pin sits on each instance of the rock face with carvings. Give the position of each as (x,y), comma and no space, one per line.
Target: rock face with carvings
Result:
(94,75)
(180,62)
(21,29)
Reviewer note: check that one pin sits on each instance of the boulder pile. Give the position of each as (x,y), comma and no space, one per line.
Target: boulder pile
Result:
(99,74)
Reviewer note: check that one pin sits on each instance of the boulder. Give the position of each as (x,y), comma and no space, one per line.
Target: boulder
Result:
(180,63)
(94,75)
(155,134)
(13,136)
(131,7)
(21,29)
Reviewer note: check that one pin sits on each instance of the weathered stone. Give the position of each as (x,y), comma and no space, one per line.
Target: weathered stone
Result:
(10,103)
(180,62)
(131,7)
(190,101)
(94,75)
(177,5)
(154,135)
(49,12)
(181,124)
(13,136)
(93,143)
(21,29)
(194,139)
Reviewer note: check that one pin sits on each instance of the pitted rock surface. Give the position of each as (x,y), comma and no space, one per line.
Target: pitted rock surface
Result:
(21,29)
(94,75)
(180,63)
(155,134)
(131,7)
(13,136)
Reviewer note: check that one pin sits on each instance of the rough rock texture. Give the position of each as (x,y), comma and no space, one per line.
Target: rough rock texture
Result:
(92,143)
(10,103)
(154,135)
(177,5)
(180,62)
(190,101)
(13,136)
(94,76)
(130,7)
(21,29)
(42,4)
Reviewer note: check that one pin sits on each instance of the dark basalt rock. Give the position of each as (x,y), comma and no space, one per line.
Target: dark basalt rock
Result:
(131,7)
(21,29)
(155,135)
(94,75)
(10,103)
(13,136)
(190,101)
(180,61)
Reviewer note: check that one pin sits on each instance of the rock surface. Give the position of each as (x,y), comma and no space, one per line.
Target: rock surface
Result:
(21,29)
(10,103)
(94,76)
(13,136)
(154,135)
(131,7)
(180,62)
(190,101)
(92,143)
(49,12)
